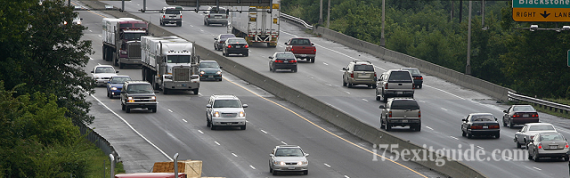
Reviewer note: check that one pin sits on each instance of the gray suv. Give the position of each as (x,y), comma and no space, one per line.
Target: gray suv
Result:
(138,94)
(171,15)
(395,83)
(225,111)
(215,16)
(401,112)
(359,73)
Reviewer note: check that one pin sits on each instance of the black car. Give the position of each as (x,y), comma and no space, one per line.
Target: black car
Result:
(480,124)
(138,94)
(417,75)
(220,40)
(210,70)
(283,60)
(236,46)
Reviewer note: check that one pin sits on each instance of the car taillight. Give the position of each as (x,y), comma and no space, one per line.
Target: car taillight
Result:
(351,75)
(531,137)
(419,114)
(516,115)
(315,50)
(163,16)
(291,49)
(540,146)
(534,115)
(418,78)
(386,86)
(374,74)
(246,46)
(390,114)
(229,46)
(180,16)
(293,61)
(566,145)
(476,127)
(494,126)
(278,61)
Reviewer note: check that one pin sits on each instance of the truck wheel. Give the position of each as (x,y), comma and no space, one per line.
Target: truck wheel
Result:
(123,107)
(374,86)
(196,91)
(104,53)
(343,82)
(128,109)
(519,145)
(242,127)
(246,54)
(164,90)
(179,24)
(388,126)
(208,124)
(121,65)
(350,85)
(418,127)
(313,60)
(153,109)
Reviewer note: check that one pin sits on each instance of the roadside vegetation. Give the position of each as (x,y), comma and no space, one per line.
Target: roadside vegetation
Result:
(504,52)
(42,93)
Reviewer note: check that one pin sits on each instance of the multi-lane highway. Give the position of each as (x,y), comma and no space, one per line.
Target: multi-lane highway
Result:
(179,124)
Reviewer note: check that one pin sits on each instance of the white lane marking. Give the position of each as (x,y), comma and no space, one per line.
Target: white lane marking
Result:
(347,92)
(234,155)
(341,70)
(346,176)
(132,128)
(264,131)
(90,30)
(99,36)
(454,137)
(283,143)
(191,25)
(184,120)
(252,166)
(365,100)
(480,147)
(200,131)
(429,127)
(216,142)
(246,121)
(537,168)
(327,165)
(90,58)
(170,110)
(325,63)
(444,92)
(444,109)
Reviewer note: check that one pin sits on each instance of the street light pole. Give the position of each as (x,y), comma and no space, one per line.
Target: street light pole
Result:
(321,13)
(329,14)
(382,39)
(468,66)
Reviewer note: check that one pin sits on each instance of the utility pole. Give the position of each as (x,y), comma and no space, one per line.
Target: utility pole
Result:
(329,14)
(468,66)
(321,13)
(382,39)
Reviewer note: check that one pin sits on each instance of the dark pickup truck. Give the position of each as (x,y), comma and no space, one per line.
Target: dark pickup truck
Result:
(302,48)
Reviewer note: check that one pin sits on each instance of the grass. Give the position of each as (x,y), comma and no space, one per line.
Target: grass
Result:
(101,165)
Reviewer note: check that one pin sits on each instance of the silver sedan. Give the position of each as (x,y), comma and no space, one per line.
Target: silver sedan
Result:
(288,158)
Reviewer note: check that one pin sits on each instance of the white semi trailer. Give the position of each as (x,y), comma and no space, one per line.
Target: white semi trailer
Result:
(257,24)
(170,63)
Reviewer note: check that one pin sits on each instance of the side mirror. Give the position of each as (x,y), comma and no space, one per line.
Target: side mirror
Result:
(464,120)
(80,18)
(312,44)
(270,57)
(91,71)
(221,67)
(117,72)
(215,38)
(244,106)
(306,154)
(495,119)
(271,155)
(344,68)
(382,107)
(531,141)
(208,106)
(505,111)
(285,43)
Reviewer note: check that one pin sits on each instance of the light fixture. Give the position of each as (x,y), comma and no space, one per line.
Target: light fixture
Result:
(565,27)
(533,28)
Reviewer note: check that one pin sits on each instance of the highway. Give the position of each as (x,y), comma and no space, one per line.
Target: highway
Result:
(179,126)
(443,106)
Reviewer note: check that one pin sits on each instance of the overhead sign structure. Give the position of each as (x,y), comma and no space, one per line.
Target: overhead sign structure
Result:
(195,3)
(541,14)
(541,3)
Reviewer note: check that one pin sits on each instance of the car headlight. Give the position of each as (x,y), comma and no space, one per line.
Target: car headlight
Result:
(202,72)
(303,163)
(113,88)
(130,99)
(219,72)
(241,114)
(279,163)
(153,98)
(216,114)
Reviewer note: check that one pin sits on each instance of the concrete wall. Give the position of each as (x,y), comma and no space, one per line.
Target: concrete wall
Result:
(326,112)
(467,81)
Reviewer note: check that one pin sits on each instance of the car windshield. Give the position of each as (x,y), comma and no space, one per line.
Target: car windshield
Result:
(119,80)
(224,37)
(104,70)
(209,65)
(300,42)
(172,11)
(551,137)
(290,152)
(540,128)
(400,76)
(414,71)
(133,36)
(524,108)
(227,104)
(482,118)
(140,88)
(405,104)
(363,68)
(237,41)
(178,59)
(285,56)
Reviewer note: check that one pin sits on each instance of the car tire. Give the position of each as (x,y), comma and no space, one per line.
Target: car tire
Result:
(179,24)
(350,85)
(109,95)
(128,109)
(220,79)
(198,89)
(212,127)
(418,127)
(511,125)
(535,157)
(271,69)
(463,134)
(518,144)
(504,123)
(294,70)
(420,86)
(246,54)
(243,127)
(208,124)
(274,172)
(306,172)
(121,65)
(270,169)
(565,158)
(312,60)
(469,135)
(343,82)
(387,126)
(123,107)
(381,123)
(164,90)
(529,156)
(374,86)
(498,135)
(384,99)
(153,109)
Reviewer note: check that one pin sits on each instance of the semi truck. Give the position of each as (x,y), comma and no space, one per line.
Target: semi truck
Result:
(257,24)
(170,63)
(121,40)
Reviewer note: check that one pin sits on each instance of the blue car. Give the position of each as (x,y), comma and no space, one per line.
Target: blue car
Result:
(115,85)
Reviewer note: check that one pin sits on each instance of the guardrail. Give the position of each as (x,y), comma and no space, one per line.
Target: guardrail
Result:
(541,103)
(296,20)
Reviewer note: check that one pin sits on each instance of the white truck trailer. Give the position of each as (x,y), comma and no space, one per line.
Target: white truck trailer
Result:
(170,63)
(121,40)
(257,24)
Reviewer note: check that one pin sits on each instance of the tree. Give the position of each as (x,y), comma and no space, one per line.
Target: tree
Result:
(39,50)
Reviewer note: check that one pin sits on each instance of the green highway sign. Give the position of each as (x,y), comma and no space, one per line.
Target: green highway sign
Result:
(541,3)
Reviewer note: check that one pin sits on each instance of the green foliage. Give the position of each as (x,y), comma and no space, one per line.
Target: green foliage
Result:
(45,54)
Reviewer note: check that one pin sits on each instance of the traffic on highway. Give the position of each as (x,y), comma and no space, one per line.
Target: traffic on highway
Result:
(201,114)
